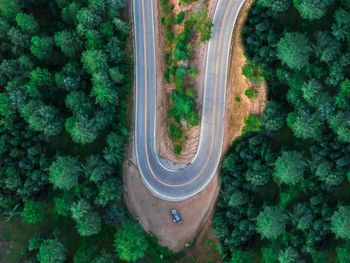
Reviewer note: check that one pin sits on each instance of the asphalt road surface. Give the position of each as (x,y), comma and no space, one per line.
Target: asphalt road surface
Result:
(166,181)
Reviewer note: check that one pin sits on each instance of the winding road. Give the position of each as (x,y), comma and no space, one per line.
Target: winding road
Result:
(167,181)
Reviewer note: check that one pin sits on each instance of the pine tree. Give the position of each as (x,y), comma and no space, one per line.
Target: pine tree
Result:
(88,221)
(294,50)
(289,168)
(51,251)
(271,222)
(64,172)
(130,242)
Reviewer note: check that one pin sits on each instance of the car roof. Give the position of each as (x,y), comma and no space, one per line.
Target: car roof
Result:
(176,215)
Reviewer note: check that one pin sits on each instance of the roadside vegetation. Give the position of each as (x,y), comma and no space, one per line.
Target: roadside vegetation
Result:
(285,182)
(253,73)
(64,89)
(179,69)
(255,78)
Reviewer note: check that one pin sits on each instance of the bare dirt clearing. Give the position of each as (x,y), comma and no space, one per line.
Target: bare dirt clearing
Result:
(154,214)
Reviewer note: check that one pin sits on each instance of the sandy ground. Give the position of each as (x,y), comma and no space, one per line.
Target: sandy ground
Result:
(153,213)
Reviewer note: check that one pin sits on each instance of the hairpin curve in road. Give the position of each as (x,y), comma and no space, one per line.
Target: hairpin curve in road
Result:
(178,182)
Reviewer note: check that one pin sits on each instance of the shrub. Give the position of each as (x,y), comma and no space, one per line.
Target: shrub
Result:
(248,71)
(238,99)
(178,149)
(250,93)
(252,124)
(180,17)
(174,132)
(33,212)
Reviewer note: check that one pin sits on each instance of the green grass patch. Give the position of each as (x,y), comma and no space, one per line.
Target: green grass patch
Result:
(175,131)
(250,93)
(252,72)
(252,123)
(238,100)
(178,149)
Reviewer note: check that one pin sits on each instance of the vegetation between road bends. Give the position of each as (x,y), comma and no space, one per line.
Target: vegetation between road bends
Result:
(285,182)
(195,28)
(64,86)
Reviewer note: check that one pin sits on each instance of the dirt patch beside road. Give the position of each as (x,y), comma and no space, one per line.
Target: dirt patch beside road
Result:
(153,213)
(238,106)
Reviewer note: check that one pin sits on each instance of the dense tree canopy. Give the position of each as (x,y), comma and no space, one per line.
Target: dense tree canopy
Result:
(312,9)
(284,195)
(276,6)
(65,78)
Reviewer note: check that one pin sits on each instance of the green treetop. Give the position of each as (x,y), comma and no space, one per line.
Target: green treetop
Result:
(88,221)
(341,222)
(27,22)
(289,168)
(312,9)
(130,242)
(51,251)
(271,222)
(33,212)
(294,50)
(64,172)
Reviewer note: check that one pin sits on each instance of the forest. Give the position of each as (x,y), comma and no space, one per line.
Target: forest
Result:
(65,87)
(285,194)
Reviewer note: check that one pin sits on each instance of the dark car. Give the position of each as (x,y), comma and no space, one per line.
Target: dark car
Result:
(176,216)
